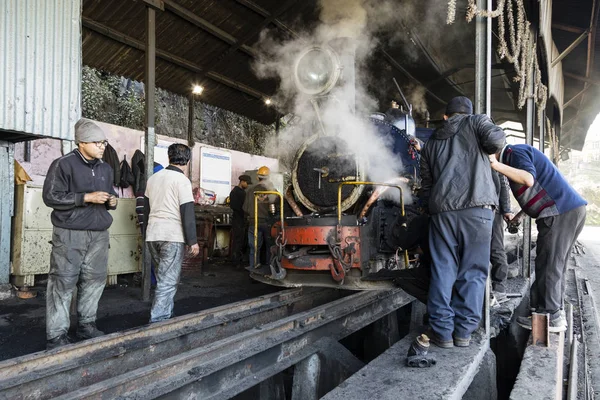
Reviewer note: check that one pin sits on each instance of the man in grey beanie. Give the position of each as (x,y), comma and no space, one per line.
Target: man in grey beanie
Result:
(78,187)
(458,190)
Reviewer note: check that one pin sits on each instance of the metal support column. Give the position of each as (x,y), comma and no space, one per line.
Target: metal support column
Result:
(191,138)
(543,131)
(483,90)
(150,136)
(529,140)
(483,61)
(7,179)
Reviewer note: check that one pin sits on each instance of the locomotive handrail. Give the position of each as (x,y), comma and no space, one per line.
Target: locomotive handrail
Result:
(256,194)
(339,202)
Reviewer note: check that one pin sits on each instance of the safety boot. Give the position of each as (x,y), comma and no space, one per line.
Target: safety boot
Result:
(88,331)
(61,340)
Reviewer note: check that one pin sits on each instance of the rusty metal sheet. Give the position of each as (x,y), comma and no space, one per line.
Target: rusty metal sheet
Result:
(540,334)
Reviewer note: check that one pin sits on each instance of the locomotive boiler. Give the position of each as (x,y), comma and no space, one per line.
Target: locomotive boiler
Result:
(338,226)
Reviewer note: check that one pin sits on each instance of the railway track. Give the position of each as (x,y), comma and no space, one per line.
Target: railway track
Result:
(216,353)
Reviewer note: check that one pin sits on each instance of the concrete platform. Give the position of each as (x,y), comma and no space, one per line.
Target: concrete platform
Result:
(541,373)
(388,378)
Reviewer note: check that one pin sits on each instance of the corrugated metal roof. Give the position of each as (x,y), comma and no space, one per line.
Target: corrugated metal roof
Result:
(40,55)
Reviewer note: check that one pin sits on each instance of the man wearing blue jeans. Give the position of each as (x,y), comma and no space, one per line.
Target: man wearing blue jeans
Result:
(169,210)
(559,212)
(458,190)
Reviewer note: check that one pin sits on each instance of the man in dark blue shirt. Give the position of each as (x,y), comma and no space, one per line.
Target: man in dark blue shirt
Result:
(544,194)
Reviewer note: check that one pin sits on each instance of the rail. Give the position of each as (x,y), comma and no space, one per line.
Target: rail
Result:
(217,353)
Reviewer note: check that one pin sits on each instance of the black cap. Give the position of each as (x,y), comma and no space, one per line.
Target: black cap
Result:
(246,178)
(459,104)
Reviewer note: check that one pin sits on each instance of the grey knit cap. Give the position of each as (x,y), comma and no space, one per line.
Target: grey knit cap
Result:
(87,131)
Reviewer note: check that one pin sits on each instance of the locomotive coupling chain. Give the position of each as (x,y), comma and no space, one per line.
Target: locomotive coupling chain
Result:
(277,271)
(339,267)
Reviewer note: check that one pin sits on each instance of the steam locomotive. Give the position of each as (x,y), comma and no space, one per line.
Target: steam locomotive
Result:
(337,227)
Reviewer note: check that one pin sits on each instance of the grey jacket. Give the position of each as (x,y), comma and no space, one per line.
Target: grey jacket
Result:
(455,169)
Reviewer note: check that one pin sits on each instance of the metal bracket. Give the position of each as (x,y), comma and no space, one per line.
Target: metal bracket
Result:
(540,333)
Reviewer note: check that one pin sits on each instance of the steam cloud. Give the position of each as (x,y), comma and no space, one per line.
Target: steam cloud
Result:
(359,20)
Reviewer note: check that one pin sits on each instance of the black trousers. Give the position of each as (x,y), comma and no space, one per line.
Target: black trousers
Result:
(556,237)
(497,251)
(238,237)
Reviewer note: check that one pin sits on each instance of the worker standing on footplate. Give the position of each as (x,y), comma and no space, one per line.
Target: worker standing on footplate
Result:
(559,212)
(459,193)
(264,234)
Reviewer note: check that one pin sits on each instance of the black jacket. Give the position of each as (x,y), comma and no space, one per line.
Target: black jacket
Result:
(69,178)
(111,157)
(503,190)
(455,168)
(139,171)
(236,202)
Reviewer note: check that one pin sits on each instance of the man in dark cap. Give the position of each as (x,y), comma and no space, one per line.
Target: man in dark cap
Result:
(78,187)
(459,193)
(236,202)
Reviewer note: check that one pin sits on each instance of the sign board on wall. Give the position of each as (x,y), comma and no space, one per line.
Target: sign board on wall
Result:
(215,171)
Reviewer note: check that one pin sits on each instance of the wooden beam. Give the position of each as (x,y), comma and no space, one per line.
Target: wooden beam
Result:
(206,26)
(568,28)
(571,47)
(155,4)
(581,78)
(568,103)
(173,59)
(264,13)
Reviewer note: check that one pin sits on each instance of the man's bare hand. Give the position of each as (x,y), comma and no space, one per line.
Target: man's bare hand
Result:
(508,217)
(194,250)
(96,197)
(112,201)
(493,159)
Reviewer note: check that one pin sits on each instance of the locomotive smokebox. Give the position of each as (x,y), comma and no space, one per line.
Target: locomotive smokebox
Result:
(321,164)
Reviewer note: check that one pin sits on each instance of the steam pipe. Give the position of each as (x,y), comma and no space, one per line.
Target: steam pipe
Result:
(376,194)
(292,202)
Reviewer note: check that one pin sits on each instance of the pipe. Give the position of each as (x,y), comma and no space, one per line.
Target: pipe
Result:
(573,372)
(292,202)
(376,194)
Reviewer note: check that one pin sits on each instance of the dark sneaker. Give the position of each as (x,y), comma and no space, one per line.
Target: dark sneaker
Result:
(462,342)
(524,322)
(438,341)
(58,341)
(88,331)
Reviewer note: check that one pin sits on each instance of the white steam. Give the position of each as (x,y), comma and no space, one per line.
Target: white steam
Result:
(358,21)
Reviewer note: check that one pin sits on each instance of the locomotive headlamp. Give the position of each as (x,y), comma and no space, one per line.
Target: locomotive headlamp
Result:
(316,70)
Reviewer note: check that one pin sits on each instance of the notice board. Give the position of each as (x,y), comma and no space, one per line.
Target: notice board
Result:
(215,171)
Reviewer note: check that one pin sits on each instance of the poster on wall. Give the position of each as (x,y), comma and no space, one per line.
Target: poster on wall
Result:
(215,171)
